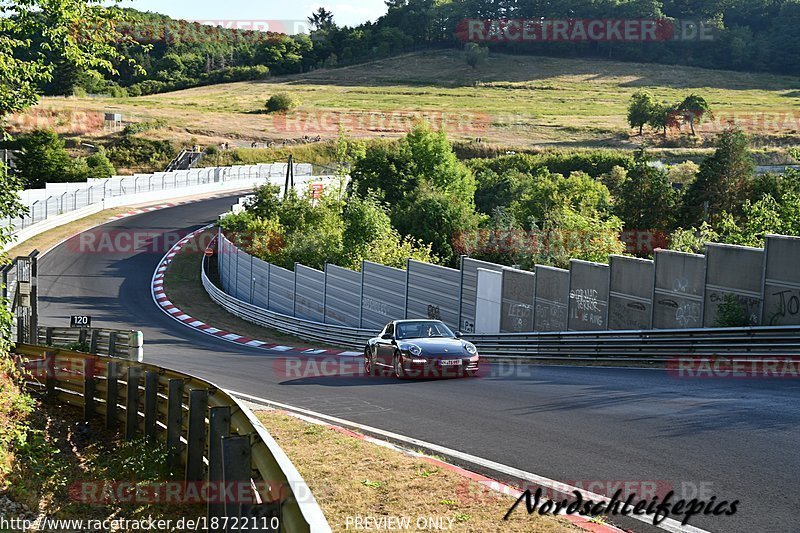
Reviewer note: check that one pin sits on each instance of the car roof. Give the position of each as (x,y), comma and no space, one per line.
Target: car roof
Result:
(412,320)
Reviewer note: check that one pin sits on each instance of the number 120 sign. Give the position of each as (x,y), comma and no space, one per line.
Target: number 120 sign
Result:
(80,321)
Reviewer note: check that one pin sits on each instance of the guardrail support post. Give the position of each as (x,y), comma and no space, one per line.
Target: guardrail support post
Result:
(196,437)
(132,403)
(50,380)
(89,387)
(48,336)
(174,422)
(219,426)
(236,471)
(93,341)
(112,373)
(112,344)
(150,402)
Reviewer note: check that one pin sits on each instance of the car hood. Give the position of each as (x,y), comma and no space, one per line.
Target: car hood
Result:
(436,345)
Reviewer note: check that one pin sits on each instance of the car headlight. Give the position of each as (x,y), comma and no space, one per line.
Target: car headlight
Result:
(470,348)
(413,349)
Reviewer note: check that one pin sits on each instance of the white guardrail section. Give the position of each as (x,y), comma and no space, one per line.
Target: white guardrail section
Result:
(60,203)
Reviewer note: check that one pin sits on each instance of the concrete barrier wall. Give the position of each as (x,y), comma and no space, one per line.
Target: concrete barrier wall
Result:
(630,296)
(433,292)
(781,281)
(281,290)
(342,296)
(518,301)
(309,293)
(744,281)
(675,291)
(222,262)
(588,296)
(469,288)
(383,295)
(261,283)
(552,298)
(488,301)
(679,288)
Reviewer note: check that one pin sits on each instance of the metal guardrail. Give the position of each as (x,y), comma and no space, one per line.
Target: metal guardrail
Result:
(639,345)
(127,344)
(212,435)
(645,344)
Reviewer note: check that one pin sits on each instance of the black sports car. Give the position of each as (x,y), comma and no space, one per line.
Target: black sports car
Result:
(420,348)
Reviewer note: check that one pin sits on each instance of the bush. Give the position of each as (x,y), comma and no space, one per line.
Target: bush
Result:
(731,313)
(43,159)
(145,154)
(141,127)
(99,166)
(282,102)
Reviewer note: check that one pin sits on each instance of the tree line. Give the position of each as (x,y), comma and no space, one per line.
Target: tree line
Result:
(162,54)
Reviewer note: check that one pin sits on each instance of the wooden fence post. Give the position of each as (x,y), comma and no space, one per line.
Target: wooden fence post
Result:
(112,374)
(150,402)
(219,426)
(132,403)
(236,467)
(93,340)
(89,387)
(174,422)
(112,344)
(50,375)
(196,435)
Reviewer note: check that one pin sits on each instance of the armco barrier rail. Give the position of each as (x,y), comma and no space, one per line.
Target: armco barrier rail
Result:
(208,432)
(644,345)
(127,344)
(647,345)
(343,336)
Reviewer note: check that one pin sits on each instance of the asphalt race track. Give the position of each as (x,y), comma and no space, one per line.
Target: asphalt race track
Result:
(730,438)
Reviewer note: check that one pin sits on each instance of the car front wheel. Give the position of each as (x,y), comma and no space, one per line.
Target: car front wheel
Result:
(368,366)
(399,372)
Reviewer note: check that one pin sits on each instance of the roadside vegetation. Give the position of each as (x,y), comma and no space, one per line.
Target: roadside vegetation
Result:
(45,449)
(415,198)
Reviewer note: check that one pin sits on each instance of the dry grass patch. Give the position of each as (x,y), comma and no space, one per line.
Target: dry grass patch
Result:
(350,477)
(531,100)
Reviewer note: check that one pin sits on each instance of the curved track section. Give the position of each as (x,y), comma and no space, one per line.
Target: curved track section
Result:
(735,439)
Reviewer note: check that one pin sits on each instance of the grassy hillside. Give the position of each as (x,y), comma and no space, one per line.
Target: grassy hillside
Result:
(512,100)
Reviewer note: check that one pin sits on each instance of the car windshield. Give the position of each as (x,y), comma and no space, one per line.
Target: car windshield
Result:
(416,330)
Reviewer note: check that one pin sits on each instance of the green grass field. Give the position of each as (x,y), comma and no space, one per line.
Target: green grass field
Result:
(510,100)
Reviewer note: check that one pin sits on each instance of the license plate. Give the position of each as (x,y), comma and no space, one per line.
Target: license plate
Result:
(452,362)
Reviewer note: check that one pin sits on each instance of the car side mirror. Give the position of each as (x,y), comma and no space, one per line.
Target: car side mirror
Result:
(386,337)
(459,334)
